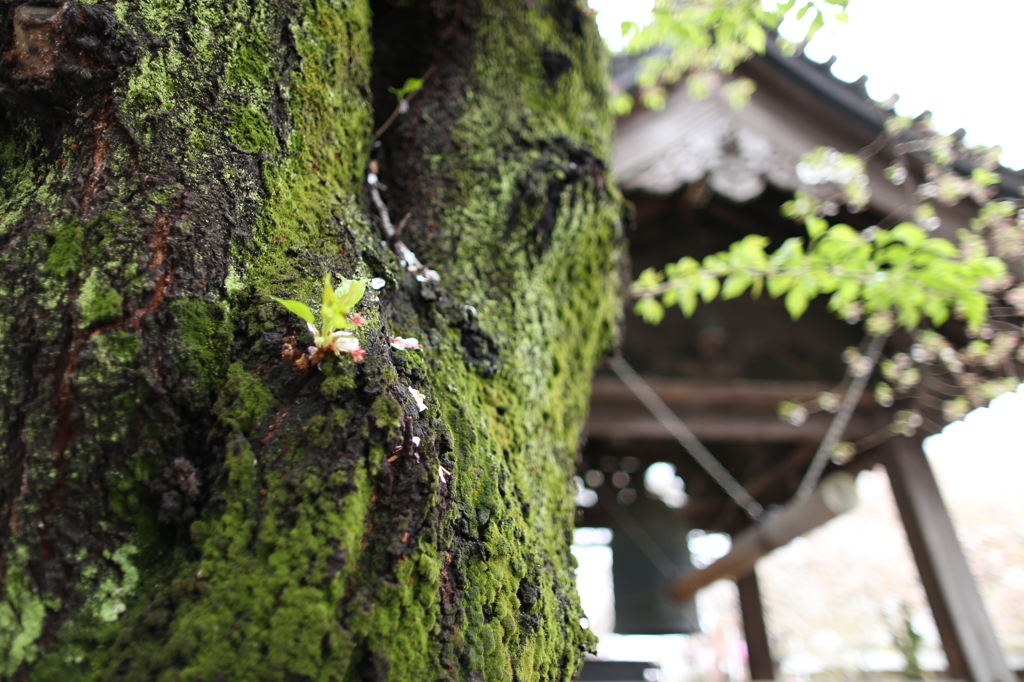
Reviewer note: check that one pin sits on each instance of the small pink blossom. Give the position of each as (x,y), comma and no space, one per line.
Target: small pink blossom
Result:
(358,354)
(357,319)
(343,342)
(420,399)
(406,344)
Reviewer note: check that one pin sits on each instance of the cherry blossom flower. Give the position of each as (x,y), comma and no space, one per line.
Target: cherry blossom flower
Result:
(411,343)
(338,342)
(342,342)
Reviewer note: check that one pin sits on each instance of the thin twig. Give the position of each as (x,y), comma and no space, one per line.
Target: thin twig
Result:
(402,223)
(841,420)
(404,101)
(385,217)
(878,144)
(873,440)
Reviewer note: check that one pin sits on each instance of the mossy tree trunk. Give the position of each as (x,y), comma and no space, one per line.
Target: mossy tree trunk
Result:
(177,500)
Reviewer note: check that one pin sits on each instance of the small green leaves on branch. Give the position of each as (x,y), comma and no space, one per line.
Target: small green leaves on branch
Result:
(404,95)
(828,166)
(337,321)
(701,40)
(895,277)
(410,86)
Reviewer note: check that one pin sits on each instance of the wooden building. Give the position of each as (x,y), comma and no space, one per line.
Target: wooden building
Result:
(702,175)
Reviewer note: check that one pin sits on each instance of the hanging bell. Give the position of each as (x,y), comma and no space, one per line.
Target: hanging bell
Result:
(649,552)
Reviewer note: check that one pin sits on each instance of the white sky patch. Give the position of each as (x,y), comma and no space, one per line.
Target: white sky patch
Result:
(611,14)
(954,60)
(957,61)
(707,548)
(989,441)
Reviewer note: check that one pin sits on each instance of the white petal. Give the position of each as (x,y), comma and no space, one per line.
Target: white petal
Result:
(421,405)
(341,343)
(406,344)
(377,283)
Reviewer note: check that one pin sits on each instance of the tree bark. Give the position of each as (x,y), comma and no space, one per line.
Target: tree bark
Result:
(179,501)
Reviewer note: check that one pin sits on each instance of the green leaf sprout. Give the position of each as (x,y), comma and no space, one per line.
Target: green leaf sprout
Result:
(336,319)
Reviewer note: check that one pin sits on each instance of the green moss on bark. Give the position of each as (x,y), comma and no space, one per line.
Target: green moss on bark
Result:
(334,530)
(22,616)
(98,301)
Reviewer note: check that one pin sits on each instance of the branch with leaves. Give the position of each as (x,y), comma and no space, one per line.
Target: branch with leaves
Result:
(702,41)
(893,275)
(892,278)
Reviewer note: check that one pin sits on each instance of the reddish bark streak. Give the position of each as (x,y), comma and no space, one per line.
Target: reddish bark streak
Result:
(10,511)
(104,121)
(276,424)
(65,427)
(158,244)
(449,606)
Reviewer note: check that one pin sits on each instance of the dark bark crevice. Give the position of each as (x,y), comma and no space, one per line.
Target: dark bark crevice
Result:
(425,38)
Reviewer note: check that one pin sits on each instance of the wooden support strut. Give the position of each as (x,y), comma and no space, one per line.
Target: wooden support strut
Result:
(967,636)
(836,494)
(759,655)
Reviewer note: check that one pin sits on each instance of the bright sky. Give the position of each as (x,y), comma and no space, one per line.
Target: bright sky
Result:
(959,60)
(988,438)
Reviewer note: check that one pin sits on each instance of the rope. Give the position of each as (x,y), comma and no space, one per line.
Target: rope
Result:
(684,436)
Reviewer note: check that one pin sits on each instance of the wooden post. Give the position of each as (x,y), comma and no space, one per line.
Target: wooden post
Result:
(759,655)
(967,635)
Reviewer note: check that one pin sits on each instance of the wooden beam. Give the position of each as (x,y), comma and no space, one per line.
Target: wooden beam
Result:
(775,484)
(835,495)
(759,655)
(723,426)
(717,411)
(737,395)
(970,642)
